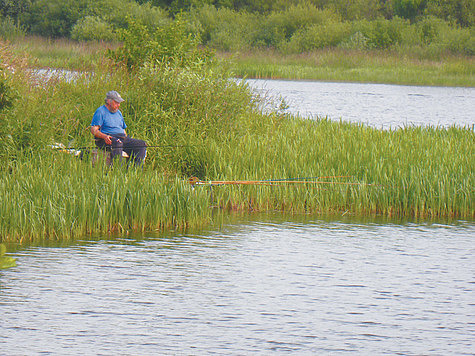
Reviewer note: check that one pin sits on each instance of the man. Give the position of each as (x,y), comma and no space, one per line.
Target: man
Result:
(108,127)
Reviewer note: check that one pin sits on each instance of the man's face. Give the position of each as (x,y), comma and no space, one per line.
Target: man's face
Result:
(113,106)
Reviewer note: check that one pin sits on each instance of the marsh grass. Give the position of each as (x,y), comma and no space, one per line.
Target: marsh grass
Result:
(357,66)
(205,125)
(62,53)
(50,195)
(426,172)
(336,64)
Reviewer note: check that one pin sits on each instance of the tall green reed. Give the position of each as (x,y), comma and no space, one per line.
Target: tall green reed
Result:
(54,195)
(209,126)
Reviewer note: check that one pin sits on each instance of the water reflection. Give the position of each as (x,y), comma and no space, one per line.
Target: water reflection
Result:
(256,285)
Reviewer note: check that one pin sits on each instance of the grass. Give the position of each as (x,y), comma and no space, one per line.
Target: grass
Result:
(218,133)
(326,65)
(413,172)
(52,196)
(356,66)
(42,52)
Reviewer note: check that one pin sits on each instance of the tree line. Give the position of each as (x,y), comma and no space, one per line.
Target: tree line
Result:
(289,26)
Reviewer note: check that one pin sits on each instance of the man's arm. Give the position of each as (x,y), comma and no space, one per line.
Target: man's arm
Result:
(95,130)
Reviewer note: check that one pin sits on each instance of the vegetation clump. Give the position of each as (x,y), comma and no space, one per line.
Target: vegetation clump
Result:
(201,122)
(5,261)
(290,26)
(433,40)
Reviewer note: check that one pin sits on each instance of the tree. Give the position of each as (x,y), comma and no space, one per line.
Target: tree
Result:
(409,9)
(54,18)
(14,8)
(460,11)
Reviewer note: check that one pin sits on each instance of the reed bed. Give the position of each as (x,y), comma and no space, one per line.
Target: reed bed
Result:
(424,172)
(200,123)
(50,195)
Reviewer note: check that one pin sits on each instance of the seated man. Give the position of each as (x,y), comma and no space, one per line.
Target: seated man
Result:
(108,127)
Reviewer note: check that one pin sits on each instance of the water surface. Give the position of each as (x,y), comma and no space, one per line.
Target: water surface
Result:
(378,105)
(269,285)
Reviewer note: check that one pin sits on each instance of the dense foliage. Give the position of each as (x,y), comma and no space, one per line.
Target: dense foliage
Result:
(304,27)
(291,26)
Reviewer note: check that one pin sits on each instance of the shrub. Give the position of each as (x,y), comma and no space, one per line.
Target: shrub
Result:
(150,16)
(171,45)
(460,11)
(92,28)
(457,40)
(223,28)
(280,26)
(9,30)
(54,18)
(356,9)
(356,41)
(429,29)
(119,11)
(408,9)
(381,33)
(319,36)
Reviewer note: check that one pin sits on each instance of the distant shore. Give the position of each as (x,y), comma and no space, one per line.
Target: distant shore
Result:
(355,66)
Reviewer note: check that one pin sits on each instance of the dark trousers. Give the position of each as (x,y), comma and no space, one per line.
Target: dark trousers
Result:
(136,149)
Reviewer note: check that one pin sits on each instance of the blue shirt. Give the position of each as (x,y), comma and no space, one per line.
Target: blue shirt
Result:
(109,123)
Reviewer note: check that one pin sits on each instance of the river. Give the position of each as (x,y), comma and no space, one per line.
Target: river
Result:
(377,105)
(265,284)
(260,284)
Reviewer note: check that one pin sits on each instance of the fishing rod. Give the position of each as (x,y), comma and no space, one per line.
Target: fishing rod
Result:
(61,146)
(303,178)
(196,181)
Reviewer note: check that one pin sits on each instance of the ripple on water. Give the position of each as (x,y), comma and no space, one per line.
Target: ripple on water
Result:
(267,286)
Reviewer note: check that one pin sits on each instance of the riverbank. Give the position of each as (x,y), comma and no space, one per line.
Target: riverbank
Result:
(355,170)
(355,66)
(325,65)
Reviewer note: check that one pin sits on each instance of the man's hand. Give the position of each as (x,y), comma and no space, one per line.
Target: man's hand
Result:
(107,140)
(97,133)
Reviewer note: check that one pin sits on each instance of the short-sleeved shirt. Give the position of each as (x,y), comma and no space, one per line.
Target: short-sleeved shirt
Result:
(109,123)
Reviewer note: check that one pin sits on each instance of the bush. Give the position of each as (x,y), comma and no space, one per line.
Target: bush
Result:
(460,11)
(356,9)
(57,18)
(356,41)
(54,18)
(92,28)
(318,36)
(381,34)
(150,16)
(429,29)
(223,28)
(169,45)
(9,30)
(408,9)
(457,40)
(280,26)
(119,11)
